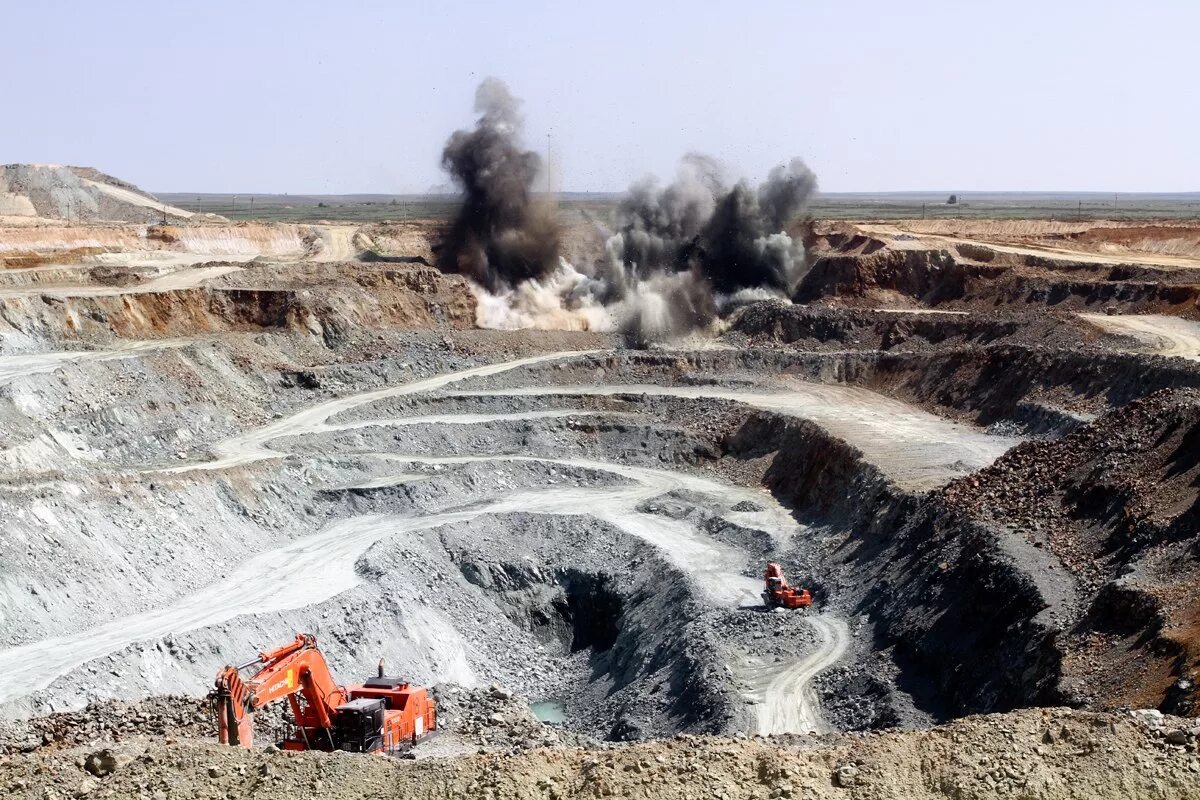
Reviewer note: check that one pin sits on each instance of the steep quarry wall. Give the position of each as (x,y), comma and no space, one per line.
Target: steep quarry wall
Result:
(940,588)
(401,297)
(855,270)
(1042,562)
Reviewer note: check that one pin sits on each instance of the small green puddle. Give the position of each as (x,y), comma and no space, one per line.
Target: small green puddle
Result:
(550,711)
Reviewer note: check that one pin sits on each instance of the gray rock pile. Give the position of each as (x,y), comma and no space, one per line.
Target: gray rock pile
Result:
(166,716)
(495,718)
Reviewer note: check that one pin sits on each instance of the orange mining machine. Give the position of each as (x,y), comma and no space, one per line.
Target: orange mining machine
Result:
(383,715)
(778,594)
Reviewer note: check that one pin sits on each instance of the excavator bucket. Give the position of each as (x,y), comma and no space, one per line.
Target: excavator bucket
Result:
(231,730)
(235,725)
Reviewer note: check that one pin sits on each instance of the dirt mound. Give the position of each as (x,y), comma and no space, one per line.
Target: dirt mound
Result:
(1103,237)
(78,194)
(1174,240)
(1046,754)
(110,721)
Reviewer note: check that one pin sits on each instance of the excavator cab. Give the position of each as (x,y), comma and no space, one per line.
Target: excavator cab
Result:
(358,726)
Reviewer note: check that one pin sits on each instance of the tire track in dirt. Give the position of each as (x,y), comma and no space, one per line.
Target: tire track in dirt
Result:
(785,700)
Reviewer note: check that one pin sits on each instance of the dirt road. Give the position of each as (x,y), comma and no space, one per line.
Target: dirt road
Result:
(784,699)
(135,198)
(183,278)
(17,366)
(337,243)
(913,240)
(914,448)
(251,446)
(1162,335)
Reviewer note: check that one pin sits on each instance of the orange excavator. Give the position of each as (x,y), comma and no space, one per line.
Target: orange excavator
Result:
(778,594)
(382,715)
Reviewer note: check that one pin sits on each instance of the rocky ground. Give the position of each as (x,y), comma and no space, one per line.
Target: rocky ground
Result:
(216,435)
(1052,753)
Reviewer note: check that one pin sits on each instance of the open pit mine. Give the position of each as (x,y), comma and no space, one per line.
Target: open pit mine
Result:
(970,449)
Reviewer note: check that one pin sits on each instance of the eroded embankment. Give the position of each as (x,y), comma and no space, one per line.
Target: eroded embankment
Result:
(377,298)
(977,276)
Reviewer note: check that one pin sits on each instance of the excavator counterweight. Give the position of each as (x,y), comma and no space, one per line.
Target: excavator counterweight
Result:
(381,715)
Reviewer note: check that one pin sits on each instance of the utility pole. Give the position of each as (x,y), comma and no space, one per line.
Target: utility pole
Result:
(234,204)
(922,211)
(1079,211)
(547,166)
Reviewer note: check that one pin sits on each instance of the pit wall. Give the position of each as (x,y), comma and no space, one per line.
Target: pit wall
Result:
(979,279)
(786,324)
(643,678)
(27,246)
(395,299)
(937,586)
(1001,383)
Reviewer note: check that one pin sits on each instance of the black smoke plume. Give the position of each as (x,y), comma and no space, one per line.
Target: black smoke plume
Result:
(501,236)
(678,255)
(733,237)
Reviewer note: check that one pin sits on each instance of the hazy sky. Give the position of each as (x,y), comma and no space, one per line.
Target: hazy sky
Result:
(300,96)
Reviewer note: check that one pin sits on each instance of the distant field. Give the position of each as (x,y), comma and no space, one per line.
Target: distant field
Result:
(310,208)
(1007,205)
(898,205)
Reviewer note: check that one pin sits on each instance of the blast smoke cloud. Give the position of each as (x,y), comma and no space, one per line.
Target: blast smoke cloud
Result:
(675,258)
(735,237)
(501,236)
(716,241)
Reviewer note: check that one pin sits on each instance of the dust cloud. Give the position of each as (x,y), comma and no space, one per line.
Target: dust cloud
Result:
(674,256)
